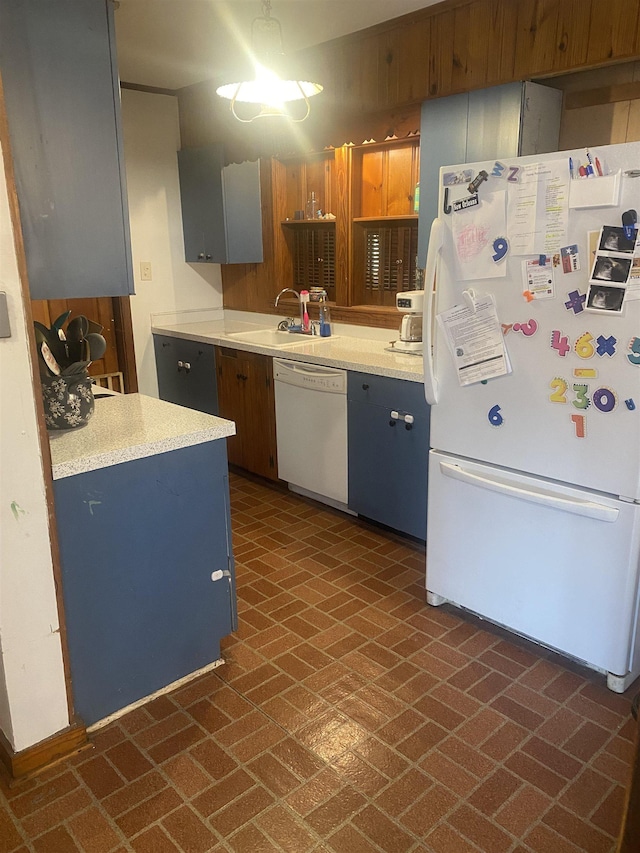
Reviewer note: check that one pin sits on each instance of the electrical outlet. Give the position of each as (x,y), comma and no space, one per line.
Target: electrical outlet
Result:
(145,271)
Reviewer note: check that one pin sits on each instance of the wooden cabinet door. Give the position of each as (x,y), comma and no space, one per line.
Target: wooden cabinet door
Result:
(245,396)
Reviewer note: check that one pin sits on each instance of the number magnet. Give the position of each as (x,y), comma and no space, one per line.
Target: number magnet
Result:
(500,248)
(580,424)
(527,329)
(559,386)
(634,346)
(584,346)
(605,400)
(560,342)
(495,418)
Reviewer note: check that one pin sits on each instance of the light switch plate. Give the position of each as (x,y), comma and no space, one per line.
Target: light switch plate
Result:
(5,328)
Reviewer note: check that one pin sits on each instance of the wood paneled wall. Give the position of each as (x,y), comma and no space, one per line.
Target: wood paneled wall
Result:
(374,80)
(452,47)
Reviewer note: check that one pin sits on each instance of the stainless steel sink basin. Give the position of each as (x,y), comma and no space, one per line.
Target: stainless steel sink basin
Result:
(275,338)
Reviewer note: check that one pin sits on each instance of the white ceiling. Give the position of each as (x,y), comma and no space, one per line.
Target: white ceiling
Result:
(173,43)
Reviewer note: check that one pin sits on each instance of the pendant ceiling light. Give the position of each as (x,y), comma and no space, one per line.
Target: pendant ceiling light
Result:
(267,81)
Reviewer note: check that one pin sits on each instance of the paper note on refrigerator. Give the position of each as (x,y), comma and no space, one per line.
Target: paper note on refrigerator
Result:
(538,209)
(476,228)
(475,340)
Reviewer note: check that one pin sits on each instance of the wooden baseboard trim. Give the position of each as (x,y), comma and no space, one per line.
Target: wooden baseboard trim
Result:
(36,758)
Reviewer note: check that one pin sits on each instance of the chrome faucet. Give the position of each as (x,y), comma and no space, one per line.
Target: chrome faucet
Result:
(297,296)
(286,290)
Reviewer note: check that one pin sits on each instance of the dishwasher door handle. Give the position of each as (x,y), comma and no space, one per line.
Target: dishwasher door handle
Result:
(306,369)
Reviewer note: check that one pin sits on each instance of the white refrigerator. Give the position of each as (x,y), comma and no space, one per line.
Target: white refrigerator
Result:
(532,369)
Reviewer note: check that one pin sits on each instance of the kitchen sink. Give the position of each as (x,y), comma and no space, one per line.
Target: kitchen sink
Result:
(275,338)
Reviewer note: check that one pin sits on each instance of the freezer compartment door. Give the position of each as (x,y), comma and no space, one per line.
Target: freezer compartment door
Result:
(551,562)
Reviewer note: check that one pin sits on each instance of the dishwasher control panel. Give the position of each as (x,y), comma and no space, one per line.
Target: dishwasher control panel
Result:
(314,377)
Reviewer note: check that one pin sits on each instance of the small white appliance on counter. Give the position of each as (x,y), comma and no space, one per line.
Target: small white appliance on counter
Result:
(410,340)
(311,429)
(532,369)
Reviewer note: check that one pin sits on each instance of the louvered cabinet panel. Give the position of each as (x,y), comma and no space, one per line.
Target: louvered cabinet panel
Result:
(314,258)
(389,261)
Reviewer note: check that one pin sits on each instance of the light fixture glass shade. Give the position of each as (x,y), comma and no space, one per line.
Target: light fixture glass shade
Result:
(268,82)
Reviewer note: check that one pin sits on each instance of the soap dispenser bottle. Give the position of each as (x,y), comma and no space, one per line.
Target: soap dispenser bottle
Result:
(325,318)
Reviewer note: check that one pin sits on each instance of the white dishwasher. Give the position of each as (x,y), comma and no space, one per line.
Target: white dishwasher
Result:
(311,429)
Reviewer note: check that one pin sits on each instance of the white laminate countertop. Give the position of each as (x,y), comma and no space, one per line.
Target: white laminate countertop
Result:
(131,426)
(350,350)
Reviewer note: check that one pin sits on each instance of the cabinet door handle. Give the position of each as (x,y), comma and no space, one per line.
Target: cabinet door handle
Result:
(392,422)
(241,376)
(201,256)
(365,387)
(208,257)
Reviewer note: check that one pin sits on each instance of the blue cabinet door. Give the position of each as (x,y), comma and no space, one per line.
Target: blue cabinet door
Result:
(186,373)
(147,573)
(60,79)
(221,212)
(388,462)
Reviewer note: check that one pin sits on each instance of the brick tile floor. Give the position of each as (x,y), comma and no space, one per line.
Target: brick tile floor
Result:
(349,717)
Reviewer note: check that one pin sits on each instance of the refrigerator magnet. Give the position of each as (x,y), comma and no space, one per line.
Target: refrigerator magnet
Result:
(529,328)
(500,249)
(475,183)
(606,346)
(494,416)
(576,301)
(634,346)
(560,342)
(570,258)
(630,404)
(453,179)
(580,424)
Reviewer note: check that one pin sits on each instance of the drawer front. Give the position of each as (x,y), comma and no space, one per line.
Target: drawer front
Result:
(387,391)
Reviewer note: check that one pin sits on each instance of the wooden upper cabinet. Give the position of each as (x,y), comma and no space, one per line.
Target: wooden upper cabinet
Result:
(63,107)
(301,176)
(384,179)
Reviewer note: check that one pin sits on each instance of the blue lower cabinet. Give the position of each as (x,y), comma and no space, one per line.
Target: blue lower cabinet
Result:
(388,451)
(147,572)
(186,373)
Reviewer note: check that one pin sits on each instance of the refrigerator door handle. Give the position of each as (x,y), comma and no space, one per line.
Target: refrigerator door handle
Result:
(589,509)
(436,238)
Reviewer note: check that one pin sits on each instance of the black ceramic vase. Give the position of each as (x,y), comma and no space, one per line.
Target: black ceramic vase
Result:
(68,400)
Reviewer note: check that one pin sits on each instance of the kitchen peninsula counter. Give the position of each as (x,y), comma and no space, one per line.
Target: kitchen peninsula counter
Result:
(125,427)
(143,521)
(348,348)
